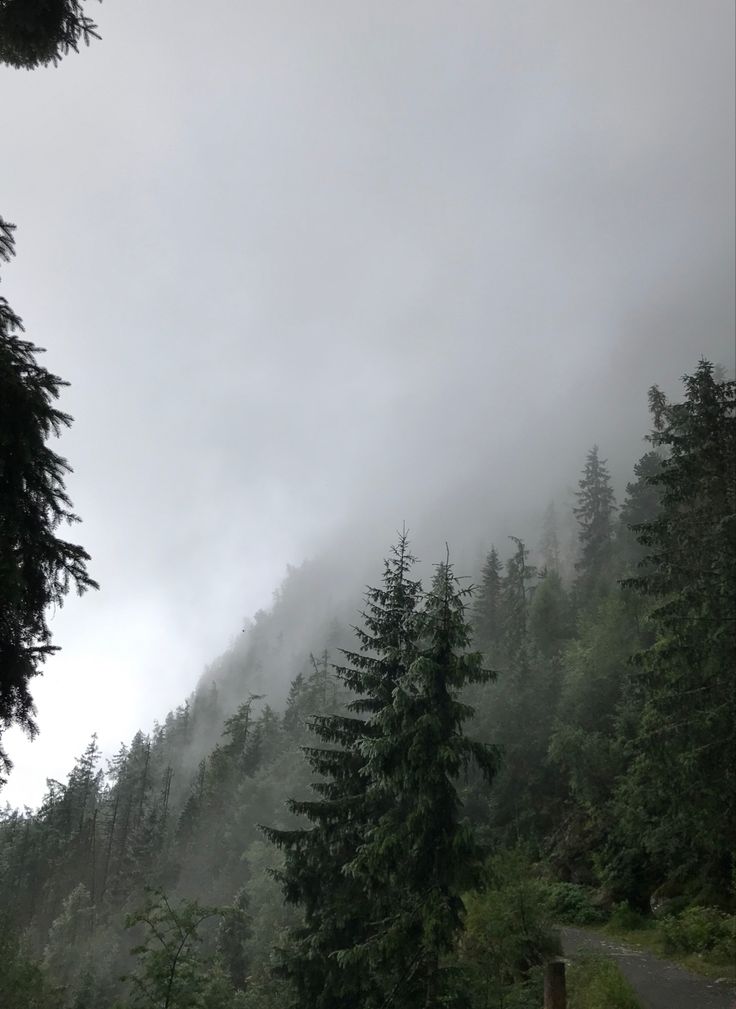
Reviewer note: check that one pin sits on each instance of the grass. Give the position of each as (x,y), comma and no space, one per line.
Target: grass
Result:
(594,982)
(651,939)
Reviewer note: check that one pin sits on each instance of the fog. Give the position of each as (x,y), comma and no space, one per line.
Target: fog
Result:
(313,270)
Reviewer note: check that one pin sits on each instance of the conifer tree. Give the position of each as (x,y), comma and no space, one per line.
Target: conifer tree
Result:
(526,694)
(516,596)
(683,775)
(337,911)
(37,567)
(641,505)
(295,703)
(37,32)
(550,618)
(420,850)
(550,541)
(238,730)
(594,512)
(487,608)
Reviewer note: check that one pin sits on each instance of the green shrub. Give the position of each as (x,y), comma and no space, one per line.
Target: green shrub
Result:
(23,983)
(624,917)
(507,936)
(596,983)
(572,904)
(700,930)
(671,906)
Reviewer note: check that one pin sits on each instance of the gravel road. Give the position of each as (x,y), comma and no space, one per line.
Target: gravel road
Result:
(658,983)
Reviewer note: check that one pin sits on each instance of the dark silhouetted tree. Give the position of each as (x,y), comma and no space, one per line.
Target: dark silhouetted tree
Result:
(487,608)
(641,505)
(34,33)
(516,596)
(37,567)
(683,775)
(594,512)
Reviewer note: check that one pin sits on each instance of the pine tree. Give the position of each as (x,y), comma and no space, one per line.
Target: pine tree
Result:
(550,541)
(641,505)
(337,912)
(23,985)
(487,609)
(69,929)
(526,696)
(234,932)
(421,851)
(37,567)
(37,32)
(516,594)
(594,512)
(683,775)
(297,707)
(238,729)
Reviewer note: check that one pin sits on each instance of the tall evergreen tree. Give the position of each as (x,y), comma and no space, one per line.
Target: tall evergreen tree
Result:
(515,599)
(594,512)
(338,914)
(527,695)
(550,542)
(683,775)
(641,505)
(421,851)
(37,567)
(550,618)
(487,608)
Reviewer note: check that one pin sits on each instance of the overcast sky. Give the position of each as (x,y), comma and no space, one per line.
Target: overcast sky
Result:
(313,268)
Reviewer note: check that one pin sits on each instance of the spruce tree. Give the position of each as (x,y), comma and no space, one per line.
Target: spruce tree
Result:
(683,775)
(524,701)
(421,851)
(594,512)
(487,608)
(550,542)
(516,594)
(338,912)
(641,505)
(34,33)
(37,567)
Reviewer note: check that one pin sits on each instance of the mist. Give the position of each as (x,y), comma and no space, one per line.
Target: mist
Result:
(313,273)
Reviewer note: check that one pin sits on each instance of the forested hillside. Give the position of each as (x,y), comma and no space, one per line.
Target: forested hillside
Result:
(559,727)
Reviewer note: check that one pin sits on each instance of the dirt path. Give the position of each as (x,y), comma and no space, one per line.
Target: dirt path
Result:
(658,983)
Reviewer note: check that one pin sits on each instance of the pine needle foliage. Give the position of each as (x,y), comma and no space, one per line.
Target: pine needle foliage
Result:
(338,910)
(37,567)
(594,512)
(487,607)
(683,770)
(35,33)
(421,850)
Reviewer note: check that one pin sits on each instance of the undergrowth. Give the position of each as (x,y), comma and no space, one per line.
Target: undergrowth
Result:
(593,982)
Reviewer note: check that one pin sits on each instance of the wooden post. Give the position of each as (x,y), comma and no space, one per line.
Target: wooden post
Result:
(555,995)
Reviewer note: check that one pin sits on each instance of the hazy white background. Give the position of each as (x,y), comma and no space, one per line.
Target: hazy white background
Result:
(315,268)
